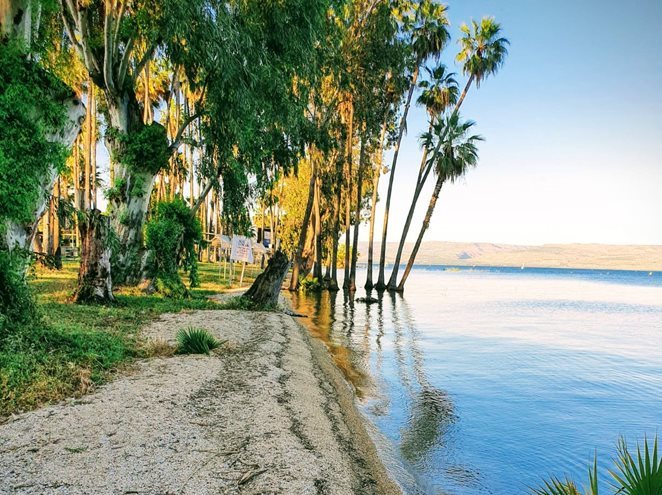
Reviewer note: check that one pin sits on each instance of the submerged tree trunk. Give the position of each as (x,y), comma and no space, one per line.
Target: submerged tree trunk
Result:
(347,284)
(266,288)
(94,275)
(333,281)
(424,227)
(317,271)
(357,212)
(373,207)
(403,126)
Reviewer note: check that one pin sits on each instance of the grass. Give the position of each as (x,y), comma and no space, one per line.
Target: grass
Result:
(78,347)
(196,341)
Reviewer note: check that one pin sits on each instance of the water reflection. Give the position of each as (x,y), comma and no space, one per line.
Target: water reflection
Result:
(431,409)
(428,409)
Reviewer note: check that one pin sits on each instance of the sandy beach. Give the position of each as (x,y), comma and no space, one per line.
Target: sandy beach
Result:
(268,413)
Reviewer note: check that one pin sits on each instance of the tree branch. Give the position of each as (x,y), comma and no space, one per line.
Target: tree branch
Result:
(147,56)
(108,47)
(174,146)
(70,30)
(124,63)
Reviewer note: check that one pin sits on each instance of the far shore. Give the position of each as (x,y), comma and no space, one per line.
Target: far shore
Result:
(570,256)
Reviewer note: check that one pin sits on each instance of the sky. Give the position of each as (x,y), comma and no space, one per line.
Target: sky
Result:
(572,126)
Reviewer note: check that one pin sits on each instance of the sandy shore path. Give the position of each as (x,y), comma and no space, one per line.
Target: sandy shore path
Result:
(268,414)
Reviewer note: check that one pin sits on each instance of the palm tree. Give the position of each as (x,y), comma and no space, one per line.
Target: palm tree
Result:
(483,51)
(459,152)
(429,38)
(440,92)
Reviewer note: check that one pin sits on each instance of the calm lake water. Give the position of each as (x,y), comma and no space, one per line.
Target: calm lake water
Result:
(484,381)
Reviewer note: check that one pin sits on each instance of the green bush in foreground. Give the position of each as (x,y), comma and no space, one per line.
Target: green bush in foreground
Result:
(640,475)
(195,341)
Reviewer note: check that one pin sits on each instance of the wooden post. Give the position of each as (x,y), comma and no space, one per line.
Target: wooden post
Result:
(241,279)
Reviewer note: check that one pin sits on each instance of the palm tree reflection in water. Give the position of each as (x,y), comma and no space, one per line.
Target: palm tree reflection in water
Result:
(429,410)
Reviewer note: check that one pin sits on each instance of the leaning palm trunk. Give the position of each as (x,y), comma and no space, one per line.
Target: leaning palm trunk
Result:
(424,227)
(423,173)
(403,125)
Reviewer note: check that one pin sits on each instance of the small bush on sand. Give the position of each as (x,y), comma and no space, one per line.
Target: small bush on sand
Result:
(195,341)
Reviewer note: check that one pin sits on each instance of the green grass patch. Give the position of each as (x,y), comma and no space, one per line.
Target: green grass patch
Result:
(74,348)
(196,341)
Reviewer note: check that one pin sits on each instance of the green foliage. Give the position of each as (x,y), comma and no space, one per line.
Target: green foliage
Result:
(172,235)
(632,475)
(144,150)
(30,110)
(641,475)
(17,305)
(195,341)
(310,284)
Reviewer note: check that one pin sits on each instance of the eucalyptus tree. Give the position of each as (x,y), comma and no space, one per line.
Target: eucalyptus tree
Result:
(378,55)
(116,39)
(440,92)
(239,56)
(429,36)
(458,152)
(40,117)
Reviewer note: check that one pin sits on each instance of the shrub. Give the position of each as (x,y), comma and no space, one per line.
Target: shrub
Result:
(195,341)
(172,235)
(640,475)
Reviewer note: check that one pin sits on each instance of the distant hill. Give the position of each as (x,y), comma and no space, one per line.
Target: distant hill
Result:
(606,256)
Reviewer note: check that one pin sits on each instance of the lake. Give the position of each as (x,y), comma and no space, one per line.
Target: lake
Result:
(486,380)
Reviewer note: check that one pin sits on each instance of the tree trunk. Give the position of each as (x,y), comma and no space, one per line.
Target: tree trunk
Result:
(403,126)
(317,273)
(130,205)
(424,227)
(333,281)
(94,275)
(357,212)
(266,288)
(423,172)
(348,206)
(88,147)
(373,207)
(294,281)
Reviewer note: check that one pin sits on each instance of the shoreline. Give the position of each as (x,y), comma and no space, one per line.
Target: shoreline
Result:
(269,412)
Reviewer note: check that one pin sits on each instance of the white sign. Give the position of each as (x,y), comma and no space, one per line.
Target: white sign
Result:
(241,249)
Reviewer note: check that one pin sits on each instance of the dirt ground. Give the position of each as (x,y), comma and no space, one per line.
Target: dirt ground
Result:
(268,413)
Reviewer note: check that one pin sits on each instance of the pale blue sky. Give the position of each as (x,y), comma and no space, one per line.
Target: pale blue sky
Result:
(573,129)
